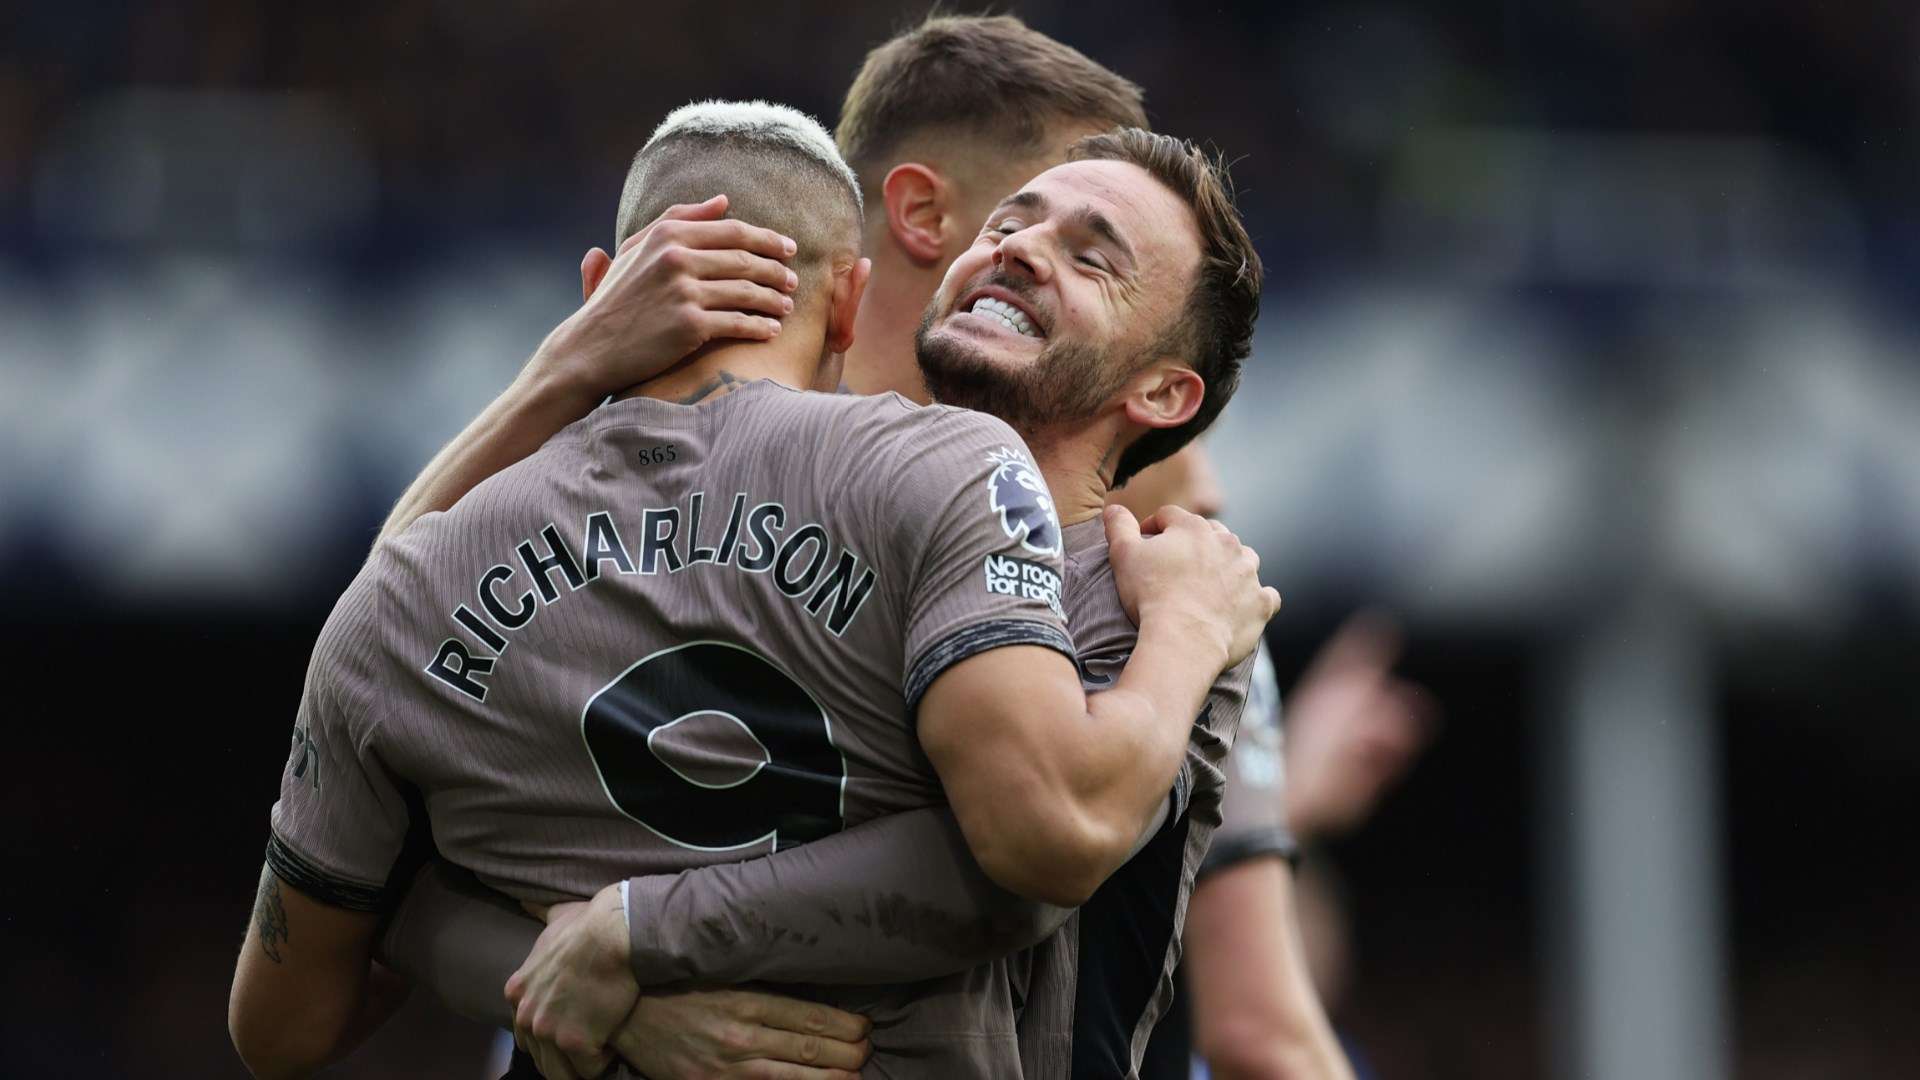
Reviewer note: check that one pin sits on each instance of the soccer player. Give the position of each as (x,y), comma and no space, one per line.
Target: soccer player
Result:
(938,124)
(667,564)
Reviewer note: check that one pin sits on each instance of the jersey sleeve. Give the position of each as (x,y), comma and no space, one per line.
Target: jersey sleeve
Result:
(341,822)
(1253,818)
(897,899)
(973,516)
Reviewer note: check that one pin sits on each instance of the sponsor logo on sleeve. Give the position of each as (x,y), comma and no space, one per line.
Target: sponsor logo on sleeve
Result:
(1016,492)
(1009,576)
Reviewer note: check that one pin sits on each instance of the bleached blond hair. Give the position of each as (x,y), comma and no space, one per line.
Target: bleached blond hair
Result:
(777,166)
(765,121)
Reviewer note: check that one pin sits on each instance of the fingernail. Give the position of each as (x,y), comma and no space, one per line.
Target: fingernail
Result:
(787,242)
(793,280)
(775,323)
(786,304)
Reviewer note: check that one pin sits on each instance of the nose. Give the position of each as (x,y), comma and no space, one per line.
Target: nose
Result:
(1022,254)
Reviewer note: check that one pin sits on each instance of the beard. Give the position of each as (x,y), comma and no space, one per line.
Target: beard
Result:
(1067,383)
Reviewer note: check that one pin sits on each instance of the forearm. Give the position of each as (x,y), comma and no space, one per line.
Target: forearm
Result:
(1132,753)
(460,939)
(1256,1014)
(898,899)
(305,990)
(542,399)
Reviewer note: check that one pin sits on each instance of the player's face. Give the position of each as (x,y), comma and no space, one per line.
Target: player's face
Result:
(1060,299)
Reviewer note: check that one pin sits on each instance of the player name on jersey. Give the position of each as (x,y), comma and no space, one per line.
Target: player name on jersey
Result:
(801,562)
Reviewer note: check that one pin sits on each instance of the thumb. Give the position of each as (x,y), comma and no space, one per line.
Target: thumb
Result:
(1123,530)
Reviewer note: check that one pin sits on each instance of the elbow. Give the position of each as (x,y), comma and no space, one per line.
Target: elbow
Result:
(1060,863)
(270,1054)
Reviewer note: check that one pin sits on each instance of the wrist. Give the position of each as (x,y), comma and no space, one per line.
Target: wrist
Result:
(562,368)
(1180,622)
(611,946)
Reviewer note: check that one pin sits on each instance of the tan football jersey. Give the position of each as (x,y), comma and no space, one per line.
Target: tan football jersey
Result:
(1253,817)
(1093,992)
(674,636)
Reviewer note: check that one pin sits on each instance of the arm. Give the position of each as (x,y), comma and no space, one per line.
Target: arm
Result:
(832,911)
(1053,788)
(305,992)
(1255,1011)
(460,940)
(682,281)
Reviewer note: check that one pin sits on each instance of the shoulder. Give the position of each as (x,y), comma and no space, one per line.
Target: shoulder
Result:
(342,673)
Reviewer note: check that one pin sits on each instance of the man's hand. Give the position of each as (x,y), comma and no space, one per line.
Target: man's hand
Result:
(686,279)
(1353,729)
(575,988)
(738,1033)
(1181,566)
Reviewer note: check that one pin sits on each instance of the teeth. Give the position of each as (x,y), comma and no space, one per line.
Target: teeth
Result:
(1015,319)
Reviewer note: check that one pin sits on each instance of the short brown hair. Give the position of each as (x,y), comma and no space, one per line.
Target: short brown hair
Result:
(1215,330)
(989,76)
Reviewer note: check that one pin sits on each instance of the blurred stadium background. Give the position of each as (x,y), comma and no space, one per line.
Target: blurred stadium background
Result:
(1590,350)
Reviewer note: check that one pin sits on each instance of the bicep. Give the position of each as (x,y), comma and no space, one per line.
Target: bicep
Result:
(989,722)
(301,978)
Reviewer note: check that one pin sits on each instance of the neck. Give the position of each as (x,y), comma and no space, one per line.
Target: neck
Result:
(719,367)
(1078,463)
(881,358)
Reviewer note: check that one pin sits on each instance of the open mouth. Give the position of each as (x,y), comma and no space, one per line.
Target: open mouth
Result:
(1008,314)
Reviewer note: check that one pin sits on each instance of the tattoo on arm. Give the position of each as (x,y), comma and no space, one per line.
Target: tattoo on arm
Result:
(721,383)
(270,915)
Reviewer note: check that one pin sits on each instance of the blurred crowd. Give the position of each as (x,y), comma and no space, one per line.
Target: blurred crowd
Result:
(1582,318)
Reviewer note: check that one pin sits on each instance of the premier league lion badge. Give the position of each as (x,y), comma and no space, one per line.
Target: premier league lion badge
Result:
(1016,492)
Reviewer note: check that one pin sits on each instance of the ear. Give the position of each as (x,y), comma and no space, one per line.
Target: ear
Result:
(1165,395)
(917,207)
(848,286)
(593,270)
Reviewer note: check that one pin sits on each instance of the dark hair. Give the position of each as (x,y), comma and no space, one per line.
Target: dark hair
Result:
(1215,332)
(989,76)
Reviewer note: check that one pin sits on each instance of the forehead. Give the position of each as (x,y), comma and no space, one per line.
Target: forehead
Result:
(1154,221)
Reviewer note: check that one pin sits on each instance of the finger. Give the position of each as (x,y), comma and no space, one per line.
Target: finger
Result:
(781,1070)
(735,235)
(1369,641)
(552,1063)
(742,296)
(1122,529)
(709,210)
(1273,600)
(724,263)
(590,1065)
(807,1017)
(818,1051)
(733,324)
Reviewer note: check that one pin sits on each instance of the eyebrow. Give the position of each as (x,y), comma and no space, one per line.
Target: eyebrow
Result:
(1086,217)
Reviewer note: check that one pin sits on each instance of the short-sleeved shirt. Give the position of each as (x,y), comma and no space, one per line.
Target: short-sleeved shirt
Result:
(1092,993)
(673,636)
(1253,825)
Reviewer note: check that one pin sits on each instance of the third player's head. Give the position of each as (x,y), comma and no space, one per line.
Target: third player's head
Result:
(1116,292)
(940,123)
